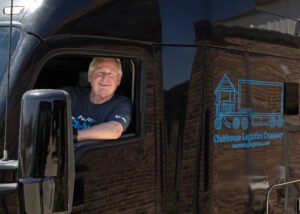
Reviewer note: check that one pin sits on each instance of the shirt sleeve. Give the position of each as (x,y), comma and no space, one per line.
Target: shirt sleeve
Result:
(122,113)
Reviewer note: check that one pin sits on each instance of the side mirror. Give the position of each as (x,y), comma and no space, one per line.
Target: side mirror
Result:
(46,155)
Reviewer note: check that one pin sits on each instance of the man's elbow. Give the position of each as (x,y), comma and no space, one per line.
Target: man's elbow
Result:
(117,131)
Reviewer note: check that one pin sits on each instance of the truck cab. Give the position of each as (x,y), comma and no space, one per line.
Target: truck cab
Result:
(215,99)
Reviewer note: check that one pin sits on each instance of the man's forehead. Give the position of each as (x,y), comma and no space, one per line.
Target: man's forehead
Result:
(106,65)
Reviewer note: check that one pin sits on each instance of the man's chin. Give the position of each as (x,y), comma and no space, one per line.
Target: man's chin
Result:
(103,91)
(104,94)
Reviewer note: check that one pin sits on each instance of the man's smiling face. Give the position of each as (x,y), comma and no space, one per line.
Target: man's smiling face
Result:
(104,79)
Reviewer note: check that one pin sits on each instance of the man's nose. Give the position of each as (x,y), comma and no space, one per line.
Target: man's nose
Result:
(105,76)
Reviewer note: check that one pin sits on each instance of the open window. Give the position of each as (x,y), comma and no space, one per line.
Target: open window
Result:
(71,70)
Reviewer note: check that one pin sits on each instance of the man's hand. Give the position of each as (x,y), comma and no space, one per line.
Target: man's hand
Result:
(104,131)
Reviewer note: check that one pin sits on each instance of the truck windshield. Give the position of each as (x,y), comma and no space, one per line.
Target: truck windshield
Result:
(4,45)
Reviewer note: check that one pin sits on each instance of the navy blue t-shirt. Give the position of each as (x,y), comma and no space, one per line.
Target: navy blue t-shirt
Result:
(86,114)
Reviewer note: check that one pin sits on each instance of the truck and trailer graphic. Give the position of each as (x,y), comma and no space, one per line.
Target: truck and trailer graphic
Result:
(232,114)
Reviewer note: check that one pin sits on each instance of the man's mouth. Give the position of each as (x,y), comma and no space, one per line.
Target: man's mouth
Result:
(101,84)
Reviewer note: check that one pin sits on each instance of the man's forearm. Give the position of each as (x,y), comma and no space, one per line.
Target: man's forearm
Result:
(109,130)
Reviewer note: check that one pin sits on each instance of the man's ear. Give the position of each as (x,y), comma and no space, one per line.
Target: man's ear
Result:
(120,78)
(89,76)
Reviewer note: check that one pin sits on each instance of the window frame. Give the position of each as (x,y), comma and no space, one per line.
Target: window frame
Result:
(84,147)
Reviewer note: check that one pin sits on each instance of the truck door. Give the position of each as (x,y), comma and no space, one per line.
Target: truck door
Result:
(117,176)
(228,139)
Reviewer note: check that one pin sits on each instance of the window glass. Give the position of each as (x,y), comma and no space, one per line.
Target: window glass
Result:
(72,70)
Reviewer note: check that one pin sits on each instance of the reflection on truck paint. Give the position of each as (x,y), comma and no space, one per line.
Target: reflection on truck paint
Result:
(227,106)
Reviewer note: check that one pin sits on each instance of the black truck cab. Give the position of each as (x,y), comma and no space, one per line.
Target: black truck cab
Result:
(215,98)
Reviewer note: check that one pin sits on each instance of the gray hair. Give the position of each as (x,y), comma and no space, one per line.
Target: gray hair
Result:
(98,59)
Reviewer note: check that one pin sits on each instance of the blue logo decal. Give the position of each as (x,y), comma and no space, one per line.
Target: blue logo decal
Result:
(81,122)
(230,113)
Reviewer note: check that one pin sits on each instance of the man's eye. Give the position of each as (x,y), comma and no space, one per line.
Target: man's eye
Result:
(111,75)
(99,74)
(102,74)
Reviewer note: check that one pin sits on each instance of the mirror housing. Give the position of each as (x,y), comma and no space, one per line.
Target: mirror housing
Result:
(46,156)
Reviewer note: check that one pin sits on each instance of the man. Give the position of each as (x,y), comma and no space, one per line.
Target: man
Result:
(97,112)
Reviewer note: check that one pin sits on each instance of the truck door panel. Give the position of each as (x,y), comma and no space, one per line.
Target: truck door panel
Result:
(226,138)
(250,141)
(106,172)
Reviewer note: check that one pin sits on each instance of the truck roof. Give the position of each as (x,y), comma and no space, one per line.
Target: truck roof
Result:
(129,19)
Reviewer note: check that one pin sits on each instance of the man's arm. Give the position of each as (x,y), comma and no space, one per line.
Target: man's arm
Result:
(103,131)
